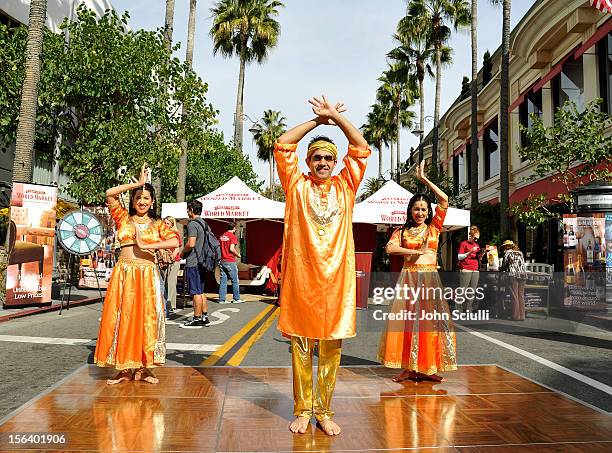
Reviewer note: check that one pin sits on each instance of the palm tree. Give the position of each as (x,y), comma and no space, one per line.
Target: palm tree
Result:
(245,28)
(169,23)
(416,46)
(398,89)
(371,186)
(438,15)
(265,134)
(182,167)
(474,94)
(26,129)
(168,28)
(504,177)
(376,131)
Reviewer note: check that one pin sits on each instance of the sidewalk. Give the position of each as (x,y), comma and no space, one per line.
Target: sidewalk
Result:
(77,297)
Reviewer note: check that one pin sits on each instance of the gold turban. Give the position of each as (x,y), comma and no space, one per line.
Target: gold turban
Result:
(324,145)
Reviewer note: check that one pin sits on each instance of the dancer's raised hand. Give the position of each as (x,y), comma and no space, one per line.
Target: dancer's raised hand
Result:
(420,172)
(144,174)
(325,109)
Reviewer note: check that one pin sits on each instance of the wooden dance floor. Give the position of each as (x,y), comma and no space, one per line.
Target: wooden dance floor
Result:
(205,409)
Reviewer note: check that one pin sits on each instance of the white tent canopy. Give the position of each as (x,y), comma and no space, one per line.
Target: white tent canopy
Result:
(388,206)
(234,200)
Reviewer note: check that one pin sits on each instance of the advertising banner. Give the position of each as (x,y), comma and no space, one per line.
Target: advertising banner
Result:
(101,262)
(584,257)
(31,244)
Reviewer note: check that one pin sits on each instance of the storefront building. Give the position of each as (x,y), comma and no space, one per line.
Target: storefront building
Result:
(559,51)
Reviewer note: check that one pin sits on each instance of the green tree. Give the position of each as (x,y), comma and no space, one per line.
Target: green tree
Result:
(371,186)
(276,193)
(26,130)
(247,29)
(376,131)
(168,29)
(574,151)
(412,34)
(398,88)
(265,134)
(210,164)
(186,106)
(12,67)
(439,15)
(504,141)
(124,92)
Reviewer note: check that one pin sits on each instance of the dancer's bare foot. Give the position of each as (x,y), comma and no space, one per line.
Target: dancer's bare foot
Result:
(299,425)
(145,374)
(432,377)
(330,427)
(406,374)
(124,375)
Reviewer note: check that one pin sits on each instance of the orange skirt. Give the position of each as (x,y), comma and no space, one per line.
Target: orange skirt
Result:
(132,329)
(422,336)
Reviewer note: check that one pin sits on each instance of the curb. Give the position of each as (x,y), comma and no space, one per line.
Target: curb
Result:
(50,308)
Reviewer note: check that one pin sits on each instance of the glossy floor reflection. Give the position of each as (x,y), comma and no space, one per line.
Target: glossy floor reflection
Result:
(479,409)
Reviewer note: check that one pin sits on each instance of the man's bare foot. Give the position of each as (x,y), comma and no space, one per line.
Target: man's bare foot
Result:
(299,425)
(330,427)
(124,375)
(406,374)
(145,374)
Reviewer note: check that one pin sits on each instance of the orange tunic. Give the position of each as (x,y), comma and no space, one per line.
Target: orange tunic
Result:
(423,345)
(318,263)
(132,329)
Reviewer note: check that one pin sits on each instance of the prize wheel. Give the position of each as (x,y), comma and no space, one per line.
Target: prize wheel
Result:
(80,232)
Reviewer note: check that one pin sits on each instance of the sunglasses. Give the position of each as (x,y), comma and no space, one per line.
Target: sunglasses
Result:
(319,158)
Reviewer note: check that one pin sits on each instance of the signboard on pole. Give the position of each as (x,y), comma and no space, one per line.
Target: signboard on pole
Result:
(31,244)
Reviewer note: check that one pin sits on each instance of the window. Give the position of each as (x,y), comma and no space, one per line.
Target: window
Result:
(456,173)
(462,168)
(532,104)
(604,51)
(568,85)
(491,151)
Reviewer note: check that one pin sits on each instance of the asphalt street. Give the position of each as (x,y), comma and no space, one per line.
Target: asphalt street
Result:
(37,351)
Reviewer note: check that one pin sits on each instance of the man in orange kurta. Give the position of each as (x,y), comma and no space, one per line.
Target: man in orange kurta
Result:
(318,261)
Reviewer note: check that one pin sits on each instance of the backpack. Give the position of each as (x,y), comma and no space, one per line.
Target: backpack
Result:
(210,255)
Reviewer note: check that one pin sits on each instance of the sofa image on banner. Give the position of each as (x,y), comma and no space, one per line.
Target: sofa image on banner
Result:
(31,240)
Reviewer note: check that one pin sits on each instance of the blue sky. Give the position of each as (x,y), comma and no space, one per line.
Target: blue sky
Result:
(332,47)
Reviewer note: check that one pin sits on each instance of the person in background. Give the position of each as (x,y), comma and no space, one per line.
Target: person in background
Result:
(469,254)
(194,273)
(514,264)
(171,274)
(228,266)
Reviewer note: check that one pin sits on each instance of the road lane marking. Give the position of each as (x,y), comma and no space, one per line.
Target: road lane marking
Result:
(555,366)
(92,342)
(220,316)
(239,356)
(229,344)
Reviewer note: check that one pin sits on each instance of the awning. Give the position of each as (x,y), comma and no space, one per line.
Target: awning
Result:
(388,206)
(233,200)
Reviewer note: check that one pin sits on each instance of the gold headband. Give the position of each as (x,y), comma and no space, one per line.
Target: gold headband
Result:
(324,145)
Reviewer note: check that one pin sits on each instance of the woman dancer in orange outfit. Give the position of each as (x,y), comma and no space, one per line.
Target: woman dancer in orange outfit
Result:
(420,345)
(132,336)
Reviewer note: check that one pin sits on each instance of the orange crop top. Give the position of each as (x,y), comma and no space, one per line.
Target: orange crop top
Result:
(156,231)
(413,238)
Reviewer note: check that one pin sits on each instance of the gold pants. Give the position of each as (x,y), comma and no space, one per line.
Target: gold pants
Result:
(302,351)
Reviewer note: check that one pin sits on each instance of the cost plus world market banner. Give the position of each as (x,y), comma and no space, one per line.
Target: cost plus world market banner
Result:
(31,244)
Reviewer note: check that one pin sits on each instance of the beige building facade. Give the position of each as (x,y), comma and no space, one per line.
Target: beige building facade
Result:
(559,51)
